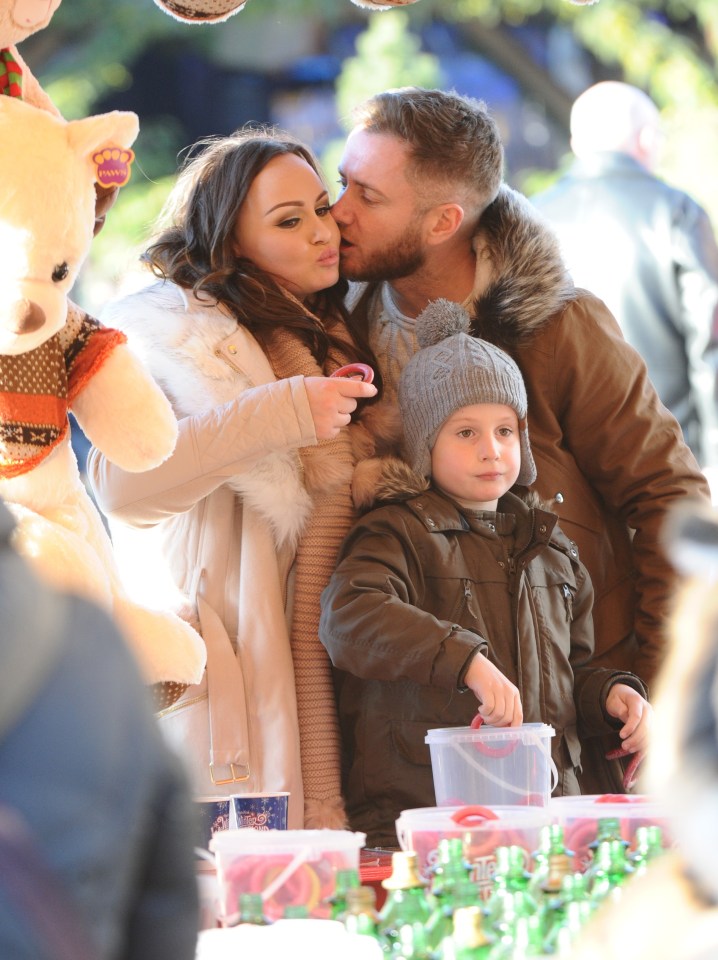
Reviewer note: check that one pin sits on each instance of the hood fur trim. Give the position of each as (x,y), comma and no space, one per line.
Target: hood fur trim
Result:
(391,480)
(384,480)
(529,281)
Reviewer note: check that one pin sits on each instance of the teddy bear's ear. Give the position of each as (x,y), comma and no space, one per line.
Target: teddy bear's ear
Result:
(119,129)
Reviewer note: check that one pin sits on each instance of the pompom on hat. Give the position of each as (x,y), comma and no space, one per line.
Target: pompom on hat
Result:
(453,370)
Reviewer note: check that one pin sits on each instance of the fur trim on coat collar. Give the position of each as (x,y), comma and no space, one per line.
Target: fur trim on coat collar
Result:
(392,480)
(528,281)
(177,337)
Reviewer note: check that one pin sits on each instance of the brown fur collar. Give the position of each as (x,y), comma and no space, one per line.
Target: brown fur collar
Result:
(528,283)
(390,480)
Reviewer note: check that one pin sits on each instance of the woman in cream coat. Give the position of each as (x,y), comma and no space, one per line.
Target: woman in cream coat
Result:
(249,511)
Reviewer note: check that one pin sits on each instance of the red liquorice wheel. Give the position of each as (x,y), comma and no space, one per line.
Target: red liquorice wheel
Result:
(355,371)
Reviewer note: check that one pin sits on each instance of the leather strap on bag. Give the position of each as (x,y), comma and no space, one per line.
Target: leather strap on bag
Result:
(228,729)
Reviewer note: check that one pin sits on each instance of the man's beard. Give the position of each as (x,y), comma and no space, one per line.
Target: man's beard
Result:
(391,263)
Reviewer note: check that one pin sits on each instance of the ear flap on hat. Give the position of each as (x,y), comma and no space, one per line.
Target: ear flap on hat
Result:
(201,11)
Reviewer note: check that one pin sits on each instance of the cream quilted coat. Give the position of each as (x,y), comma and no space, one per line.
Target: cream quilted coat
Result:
(181,532)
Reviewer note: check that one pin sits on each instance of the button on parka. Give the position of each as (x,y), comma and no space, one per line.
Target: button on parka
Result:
(422,585)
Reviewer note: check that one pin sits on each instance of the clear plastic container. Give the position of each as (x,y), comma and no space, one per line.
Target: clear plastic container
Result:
(482,829)
(579,817)
(287,867)
(504,766)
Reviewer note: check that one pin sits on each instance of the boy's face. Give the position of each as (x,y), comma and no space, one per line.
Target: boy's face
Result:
(477,454)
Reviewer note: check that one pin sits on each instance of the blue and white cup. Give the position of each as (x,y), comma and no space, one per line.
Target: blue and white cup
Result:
(260,811)
(214,814)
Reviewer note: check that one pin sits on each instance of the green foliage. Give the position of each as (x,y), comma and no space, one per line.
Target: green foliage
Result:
(667,47)
(388,55)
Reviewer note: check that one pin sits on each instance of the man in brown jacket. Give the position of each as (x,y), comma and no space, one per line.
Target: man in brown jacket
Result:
(424,215)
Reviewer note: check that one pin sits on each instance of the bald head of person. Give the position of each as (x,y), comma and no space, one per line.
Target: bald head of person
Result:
(616,117)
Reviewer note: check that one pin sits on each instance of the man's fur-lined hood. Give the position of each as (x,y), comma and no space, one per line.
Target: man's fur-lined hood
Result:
(528,280)
(391,480)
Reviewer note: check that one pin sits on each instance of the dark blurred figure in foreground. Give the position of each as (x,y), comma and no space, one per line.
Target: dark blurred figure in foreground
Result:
(671,912)
(96,823)
(647,249)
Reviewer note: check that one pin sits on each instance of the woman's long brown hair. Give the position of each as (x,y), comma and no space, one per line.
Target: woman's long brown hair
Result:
(195,245)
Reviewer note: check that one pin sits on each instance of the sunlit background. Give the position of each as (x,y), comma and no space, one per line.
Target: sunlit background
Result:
(302,64)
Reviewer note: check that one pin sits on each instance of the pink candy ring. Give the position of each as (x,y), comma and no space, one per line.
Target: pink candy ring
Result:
(355,371)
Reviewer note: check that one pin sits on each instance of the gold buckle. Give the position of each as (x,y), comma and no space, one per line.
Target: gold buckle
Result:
(234,778)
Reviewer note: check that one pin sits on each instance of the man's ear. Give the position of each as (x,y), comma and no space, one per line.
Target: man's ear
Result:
(443,221)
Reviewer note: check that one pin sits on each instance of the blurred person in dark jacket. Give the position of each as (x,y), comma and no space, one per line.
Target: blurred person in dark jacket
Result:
(645,248)
(88,789)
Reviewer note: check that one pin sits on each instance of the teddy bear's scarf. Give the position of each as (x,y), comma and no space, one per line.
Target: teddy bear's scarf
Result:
(37,389)
(10,74)
(327,471)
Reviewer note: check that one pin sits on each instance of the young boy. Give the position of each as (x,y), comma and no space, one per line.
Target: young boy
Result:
(458,595)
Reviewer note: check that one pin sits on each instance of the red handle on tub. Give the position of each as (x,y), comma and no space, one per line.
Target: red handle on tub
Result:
(471,812)
(484,748)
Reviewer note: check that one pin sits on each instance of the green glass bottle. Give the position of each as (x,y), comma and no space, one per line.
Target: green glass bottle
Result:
(501,922)
(561,938)
(251,910)
(451,888)
(607,828)
(450,864)
(573,890)
(361,917)
(412,943)
(408,900)
(511,877)
(469,939)
(344,880)
(524,940)
(551,842)
(551,890)
(608,871)
(648,844)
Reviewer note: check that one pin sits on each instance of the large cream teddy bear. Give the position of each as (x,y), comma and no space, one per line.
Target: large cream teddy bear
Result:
(54,358)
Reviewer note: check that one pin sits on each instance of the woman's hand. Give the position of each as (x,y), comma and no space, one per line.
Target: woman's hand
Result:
(499,700)
(332,401)
(626,704)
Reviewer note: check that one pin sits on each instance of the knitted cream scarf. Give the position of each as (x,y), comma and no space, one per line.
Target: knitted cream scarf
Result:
(328,469)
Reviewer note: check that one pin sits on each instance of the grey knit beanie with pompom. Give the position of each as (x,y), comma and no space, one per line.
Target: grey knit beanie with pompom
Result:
(454,370)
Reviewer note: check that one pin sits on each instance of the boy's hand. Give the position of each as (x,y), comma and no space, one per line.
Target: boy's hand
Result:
(499,700)
(626,704)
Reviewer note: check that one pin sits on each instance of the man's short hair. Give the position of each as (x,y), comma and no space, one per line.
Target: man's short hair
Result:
(452,139)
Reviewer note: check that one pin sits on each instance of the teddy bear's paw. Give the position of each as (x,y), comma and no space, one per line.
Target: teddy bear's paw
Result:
(125,414)
(167,648)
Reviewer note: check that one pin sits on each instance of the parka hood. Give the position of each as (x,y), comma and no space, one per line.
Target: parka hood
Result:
(528,281)
(392,480)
